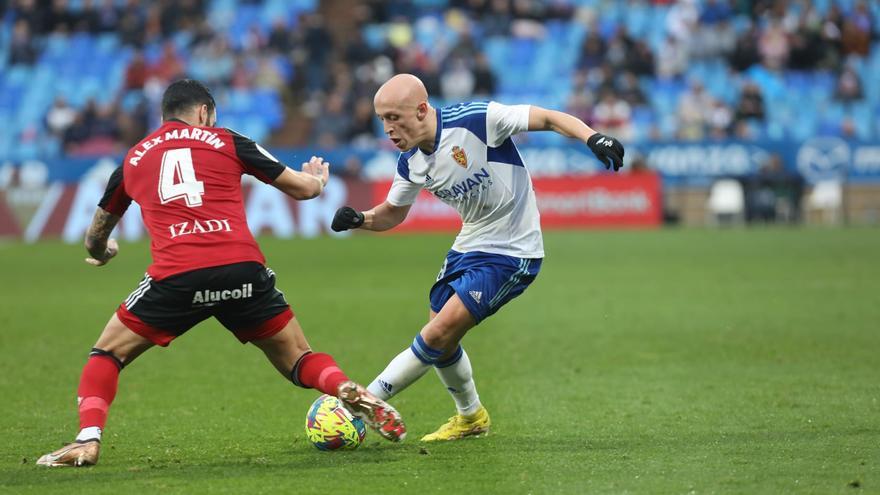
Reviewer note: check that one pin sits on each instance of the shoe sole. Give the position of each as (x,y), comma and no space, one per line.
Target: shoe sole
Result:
(367,409)
(68,457)
(79,462)
(480,432)
(378,426)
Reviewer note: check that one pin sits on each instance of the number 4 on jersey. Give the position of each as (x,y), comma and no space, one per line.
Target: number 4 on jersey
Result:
(177,163)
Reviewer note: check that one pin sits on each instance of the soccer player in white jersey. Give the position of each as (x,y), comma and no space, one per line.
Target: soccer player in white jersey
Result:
(463,155)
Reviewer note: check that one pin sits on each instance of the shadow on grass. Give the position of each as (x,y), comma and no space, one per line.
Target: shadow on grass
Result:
(386,461)
(189,467)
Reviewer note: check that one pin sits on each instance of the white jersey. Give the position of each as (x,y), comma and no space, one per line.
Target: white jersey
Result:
(476,169)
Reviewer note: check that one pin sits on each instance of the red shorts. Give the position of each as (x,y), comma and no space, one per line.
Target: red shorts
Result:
(242,296)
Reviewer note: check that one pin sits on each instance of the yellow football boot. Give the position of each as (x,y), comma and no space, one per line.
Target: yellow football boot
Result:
(460,426)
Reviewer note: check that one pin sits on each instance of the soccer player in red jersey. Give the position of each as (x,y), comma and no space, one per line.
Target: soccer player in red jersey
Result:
(186,177)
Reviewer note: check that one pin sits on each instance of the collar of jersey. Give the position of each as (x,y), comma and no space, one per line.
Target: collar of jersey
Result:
(436,136)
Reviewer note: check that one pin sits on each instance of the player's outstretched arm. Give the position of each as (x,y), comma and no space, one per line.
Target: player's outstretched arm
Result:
(98,243)
(307,184)
(383,217)
(607,149)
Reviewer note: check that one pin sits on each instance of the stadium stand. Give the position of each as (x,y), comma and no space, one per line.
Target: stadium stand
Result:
(80,78)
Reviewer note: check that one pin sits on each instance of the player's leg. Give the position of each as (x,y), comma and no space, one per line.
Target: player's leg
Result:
(116,347)
(264,318)
(285,348)
(414,361)
(438,338)
(155,313)
(491,282)
(291,355)
(289,351)
(455,372)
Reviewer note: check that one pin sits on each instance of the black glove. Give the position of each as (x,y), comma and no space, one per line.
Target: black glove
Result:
(608,150)
(346,218)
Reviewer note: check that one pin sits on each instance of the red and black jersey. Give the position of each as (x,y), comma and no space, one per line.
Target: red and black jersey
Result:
(187,181)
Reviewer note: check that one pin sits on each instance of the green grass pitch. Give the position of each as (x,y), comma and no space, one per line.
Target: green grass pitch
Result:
(670,361)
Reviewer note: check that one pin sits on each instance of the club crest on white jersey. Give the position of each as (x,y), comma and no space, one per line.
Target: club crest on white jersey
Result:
(476,168)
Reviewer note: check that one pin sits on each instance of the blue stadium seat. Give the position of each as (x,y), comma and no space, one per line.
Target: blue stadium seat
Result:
(255,128)
(556,30)
(872,74)
(723,89)
(284,66)
(642,121)
(638,19)
(833,112)
(131,99)
(25,151)
(18,75)
(539,71)
(432,4)
(246,16)
(876,121)
(276,9)
(107,43)
(822,6)
(270,107)
(305,5)
(240,99)
(775,130)
(428,32)
(772,85)
(221,13)
(375,36)
(863,120)
(50,147)
(495,49)
(668,125)
(4,52)
(805,126)
(6,140)
(522,51)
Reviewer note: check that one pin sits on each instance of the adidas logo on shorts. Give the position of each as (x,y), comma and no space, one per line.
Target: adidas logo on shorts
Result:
(477,295)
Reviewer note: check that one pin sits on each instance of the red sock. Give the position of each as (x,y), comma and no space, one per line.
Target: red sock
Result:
(97,388)
(320,371)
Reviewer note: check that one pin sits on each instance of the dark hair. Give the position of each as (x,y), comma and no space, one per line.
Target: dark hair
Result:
(182,95)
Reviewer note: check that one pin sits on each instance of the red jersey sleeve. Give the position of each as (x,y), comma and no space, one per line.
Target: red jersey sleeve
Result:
(257,161)
(115,199)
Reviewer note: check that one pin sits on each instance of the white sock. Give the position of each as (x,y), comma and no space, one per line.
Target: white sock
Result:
(400,373)
(459,380)
(90,433)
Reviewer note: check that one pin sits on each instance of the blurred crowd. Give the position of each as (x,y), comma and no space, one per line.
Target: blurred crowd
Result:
(167,40)
(777,37)
(326,70)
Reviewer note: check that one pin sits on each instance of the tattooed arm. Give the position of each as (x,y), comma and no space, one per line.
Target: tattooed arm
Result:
(98,243)
(110,209)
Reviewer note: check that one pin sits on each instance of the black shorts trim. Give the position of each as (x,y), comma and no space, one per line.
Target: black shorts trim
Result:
(242,296)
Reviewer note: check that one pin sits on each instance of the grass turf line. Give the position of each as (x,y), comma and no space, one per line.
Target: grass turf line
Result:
(672,361)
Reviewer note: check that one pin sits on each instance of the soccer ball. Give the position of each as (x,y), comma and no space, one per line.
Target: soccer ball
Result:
(329,425)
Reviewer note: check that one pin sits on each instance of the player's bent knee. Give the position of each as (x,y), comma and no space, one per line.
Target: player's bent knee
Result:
(445,331)
(440,336)
(293,376)
(101,352)
(121,343)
